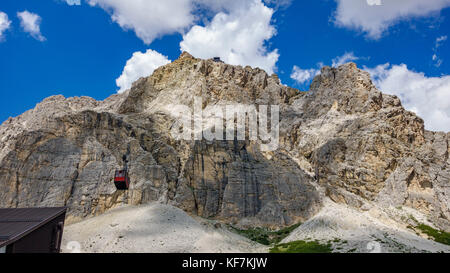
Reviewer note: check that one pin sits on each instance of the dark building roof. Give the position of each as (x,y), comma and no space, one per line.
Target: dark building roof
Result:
(17,223)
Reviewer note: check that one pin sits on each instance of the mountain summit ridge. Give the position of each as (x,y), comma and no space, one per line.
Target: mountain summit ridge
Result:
(343,139)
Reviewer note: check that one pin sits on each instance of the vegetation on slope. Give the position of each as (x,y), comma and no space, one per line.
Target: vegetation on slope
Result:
(438,235)
(265,236)
(302,247)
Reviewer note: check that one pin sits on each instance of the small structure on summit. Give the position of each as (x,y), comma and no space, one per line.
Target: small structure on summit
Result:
(217,60)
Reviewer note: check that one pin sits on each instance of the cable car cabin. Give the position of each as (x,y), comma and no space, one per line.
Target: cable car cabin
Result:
(121,180)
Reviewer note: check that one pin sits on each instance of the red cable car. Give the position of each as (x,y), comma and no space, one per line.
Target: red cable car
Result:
(121,180)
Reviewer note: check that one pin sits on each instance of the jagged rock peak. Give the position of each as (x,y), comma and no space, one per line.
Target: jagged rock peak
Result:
(178,82)
(345,74)
(185,55)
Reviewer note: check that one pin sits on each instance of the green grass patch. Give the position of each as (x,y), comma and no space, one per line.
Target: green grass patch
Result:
(259,235)
(302,247)
(438,235)
(265,236)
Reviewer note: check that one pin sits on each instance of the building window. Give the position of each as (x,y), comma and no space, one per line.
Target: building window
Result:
(2,249)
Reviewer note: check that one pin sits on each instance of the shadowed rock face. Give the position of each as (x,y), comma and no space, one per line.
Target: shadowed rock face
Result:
(233,180)
(344,136)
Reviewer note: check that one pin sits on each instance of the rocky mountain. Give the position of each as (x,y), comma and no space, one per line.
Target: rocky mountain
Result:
(343,140)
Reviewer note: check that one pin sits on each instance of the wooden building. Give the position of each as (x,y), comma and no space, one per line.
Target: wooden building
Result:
(31,230)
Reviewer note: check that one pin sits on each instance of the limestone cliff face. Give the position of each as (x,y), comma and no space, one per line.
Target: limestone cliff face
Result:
(343,138)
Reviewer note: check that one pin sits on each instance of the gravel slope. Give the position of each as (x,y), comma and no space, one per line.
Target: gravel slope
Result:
(152,228)
(372,229)
(162,228)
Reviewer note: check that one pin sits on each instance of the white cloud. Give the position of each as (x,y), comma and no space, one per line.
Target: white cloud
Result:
(149,19)
(347,57)
(238,31)
(278,3)
(238,35)
(30,22)
(303,76)
(73,2)
(437,61)
(374,2)
(374,19)
(5,23)
(140,65)
(439,42)
(428,97)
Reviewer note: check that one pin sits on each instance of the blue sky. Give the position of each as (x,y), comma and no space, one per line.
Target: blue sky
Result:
(80,50)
